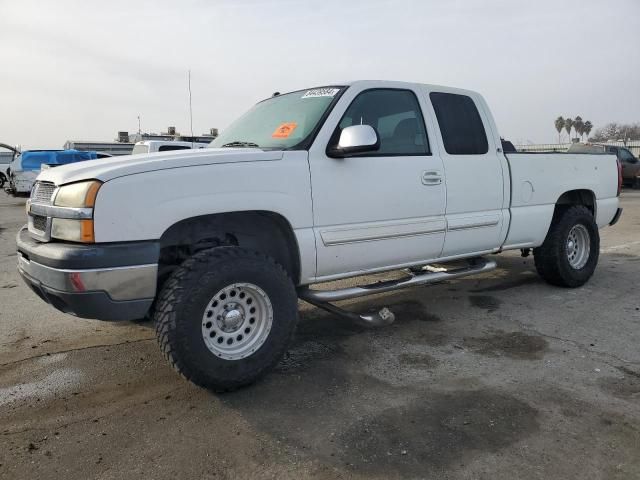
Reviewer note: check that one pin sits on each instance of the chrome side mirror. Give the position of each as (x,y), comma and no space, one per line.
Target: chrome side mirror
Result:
(355,139)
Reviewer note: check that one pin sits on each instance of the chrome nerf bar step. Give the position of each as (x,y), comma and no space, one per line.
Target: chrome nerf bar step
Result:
(377,319)
(430,275)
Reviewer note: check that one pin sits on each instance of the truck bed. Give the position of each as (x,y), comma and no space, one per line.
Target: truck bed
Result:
(539,179)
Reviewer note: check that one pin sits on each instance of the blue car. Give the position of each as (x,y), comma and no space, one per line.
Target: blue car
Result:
(26,166)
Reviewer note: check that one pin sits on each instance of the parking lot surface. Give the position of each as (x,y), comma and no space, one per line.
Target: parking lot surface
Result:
(498,376)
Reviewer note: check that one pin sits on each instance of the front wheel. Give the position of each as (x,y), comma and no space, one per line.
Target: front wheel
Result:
(569,254)
(225,317)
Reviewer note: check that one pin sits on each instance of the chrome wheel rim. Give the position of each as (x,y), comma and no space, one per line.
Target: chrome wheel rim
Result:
(237,321)
(578,246)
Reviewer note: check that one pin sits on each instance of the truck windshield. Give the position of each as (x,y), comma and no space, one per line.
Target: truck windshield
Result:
(279,122)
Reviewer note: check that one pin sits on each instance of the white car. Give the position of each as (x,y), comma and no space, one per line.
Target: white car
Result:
(314,185)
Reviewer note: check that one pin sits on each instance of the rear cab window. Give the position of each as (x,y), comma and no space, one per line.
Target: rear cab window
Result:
(460,124)
(167,148)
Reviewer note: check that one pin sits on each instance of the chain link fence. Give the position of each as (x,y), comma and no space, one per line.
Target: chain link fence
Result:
(633,146)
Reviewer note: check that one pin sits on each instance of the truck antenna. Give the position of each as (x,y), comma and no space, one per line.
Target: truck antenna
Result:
(190,109)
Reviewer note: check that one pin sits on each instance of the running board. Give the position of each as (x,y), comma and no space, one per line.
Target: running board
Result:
(430,275)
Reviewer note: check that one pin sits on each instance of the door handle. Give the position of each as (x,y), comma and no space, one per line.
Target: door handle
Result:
(432,177)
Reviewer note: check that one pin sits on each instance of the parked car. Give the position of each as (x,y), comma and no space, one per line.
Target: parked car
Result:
(26,166)
(629,163)
(310,186)
(5,160)
(150,146)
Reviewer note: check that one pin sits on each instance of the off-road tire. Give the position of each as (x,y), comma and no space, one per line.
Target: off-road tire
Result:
(183,300)
(551,258)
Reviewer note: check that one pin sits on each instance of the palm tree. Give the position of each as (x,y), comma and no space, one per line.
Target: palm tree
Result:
(578,125)
(559,123)
(587,127)
(568,123)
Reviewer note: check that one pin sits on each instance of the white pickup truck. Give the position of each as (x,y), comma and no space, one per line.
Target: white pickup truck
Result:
(218,244)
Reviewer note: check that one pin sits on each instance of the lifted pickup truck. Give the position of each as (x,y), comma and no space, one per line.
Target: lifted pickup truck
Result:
(218,244)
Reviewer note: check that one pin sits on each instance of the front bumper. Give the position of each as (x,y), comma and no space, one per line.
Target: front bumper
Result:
(101,281)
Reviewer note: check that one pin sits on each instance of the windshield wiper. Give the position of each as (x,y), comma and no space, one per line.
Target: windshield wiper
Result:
(241,144)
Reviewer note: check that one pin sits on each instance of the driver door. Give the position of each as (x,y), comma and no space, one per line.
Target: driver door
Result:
(384,208)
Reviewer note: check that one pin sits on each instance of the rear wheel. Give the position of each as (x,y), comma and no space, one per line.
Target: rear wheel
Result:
(225,317)
(569,254)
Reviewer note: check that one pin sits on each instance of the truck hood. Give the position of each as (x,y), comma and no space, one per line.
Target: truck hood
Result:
(106,169)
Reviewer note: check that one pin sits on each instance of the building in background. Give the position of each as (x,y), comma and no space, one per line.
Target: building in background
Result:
(171,134)
(112,148)
(123,145)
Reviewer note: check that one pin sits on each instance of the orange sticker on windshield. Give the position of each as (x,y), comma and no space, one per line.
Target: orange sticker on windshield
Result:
(284,130)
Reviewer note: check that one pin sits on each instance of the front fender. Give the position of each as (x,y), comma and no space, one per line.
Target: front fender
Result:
(143,206)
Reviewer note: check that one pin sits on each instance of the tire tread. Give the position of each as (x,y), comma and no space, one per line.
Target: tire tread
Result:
(549,258)
(174,293)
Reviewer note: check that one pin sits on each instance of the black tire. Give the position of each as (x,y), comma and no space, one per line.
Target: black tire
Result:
(551,259)
(184,298)
(3,180)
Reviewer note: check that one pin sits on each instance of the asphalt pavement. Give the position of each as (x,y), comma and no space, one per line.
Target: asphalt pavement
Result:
(498,376)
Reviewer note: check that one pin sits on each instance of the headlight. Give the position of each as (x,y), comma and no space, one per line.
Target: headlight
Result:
(72,230)
(78,195)
(81,195)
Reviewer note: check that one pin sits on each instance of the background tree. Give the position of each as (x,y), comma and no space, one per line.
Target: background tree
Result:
(568,123)
(617,131)
(578,125)
(588,126)
(559,123)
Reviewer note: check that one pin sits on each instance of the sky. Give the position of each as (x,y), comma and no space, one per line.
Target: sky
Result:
(84,70)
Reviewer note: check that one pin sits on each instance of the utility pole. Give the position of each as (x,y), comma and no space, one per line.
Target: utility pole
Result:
(190,109)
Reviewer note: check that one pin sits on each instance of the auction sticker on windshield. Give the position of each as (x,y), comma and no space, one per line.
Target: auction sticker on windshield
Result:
(321,92)
(284,130)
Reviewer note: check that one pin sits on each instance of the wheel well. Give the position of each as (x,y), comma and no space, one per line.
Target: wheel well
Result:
(578,197)
(263,231)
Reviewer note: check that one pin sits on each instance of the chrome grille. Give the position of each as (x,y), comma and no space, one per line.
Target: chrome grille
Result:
(40,223)
(42,192)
